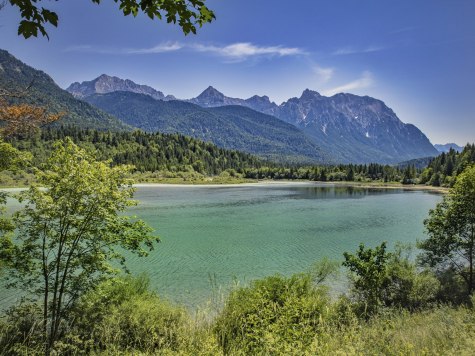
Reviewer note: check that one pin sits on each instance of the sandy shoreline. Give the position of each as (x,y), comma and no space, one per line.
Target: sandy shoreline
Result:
(365,185)
(229,185)
(263,183)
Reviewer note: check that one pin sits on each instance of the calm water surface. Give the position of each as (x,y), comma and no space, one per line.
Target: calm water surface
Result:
(246,232)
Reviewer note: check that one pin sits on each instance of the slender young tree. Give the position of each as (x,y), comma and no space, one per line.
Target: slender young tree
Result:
(451,230)
(369,274)
(69,234)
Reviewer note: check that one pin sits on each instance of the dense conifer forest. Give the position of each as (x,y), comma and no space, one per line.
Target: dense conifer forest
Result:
(157,155)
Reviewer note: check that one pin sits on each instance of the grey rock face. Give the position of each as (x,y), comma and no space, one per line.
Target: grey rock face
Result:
(211,98)
(107,84)
(357,129)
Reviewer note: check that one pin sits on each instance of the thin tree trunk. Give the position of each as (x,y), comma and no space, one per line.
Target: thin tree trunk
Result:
(472,241)
(55,299)
(46,296)
(58,306)
(55,309)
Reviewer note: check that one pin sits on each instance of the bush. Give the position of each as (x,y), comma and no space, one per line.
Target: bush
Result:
(407,286)
(21,331)
(123,315)
(272,315)
(388,279)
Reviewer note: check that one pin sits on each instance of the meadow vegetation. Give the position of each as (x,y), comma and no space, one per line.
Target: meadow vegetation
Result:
(273,316)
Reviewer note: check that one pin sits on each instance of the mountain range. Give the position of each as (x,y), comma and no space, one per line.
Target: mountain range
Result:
(347,127)
(311,128)
(249,131)
(232,127)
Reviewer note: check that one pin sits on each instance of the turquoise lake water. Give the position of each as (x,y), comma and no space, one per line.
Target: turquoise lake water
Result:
(243,232)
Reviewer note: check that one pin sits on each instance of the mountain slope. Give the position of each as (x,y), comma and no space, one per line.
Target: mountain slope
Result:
(16,76)
(354,128)
(107,84)
(231,127)
(357,129)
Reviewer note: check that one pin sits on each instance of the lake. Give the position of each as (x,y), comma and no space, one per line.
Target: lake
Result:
(216,235)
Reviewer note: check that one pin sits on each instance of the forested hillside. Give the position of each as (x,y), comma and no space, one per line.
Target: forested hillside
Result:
(172,155)
(443,169)
(146,151)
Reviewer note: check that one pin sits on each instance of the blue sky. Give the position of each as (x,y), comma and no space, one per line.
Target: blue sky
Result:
(417,56)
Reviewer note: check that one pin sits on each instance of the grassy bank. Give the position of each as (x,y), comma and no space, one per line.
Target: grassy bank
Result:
(273,316)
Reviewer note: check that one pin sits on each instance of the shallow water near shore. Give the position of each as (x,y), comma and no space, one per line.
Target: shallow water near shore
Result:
(215,235)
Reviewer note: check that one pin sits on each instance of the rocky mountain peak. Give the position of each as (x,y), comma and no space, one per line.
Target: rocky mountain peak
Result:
(259,98)
(209,93)
(365,129)
(107,84)
(211,97)
(104,77)
(262,104)
(308,94)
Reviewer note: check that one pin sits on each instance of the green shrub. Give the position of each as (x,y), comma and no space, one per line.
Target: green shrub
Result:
(272,315)
(144,324)
(407,286)
(383,279)
(21,331)
(123,315)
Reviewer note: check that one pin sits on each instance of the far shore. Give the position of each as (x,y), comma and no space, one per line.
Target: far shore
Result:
(207,184)
(368,185)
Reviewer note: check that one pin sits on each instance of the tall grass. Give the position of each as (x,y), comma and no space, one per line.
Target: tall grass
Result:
(273,316)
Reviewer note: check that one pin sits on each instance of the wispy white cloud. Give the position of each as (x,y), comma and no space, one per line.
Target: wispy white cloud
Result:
(323,74)
(352,50)
(160,48)
(245,50)
(236,52)
(366,80)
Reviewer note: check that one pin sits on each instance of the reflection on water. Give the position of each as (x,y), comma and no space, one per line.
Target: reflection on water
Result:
(247,232)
